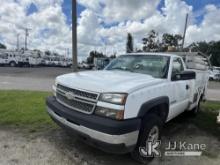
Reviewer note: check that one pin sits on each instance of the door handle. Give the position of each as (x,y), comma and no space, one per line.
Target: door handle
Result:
(187,86)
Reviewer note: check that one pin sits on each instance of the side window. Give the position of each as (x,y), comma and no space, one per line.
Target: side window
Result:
(177,66)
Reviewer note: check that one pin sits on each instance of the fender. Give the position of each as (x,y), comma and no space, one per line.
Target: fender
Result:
(145,107)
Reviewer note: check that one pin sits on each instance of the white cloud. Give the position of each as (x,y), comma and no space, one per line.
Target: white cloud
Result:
(104,24)
(88,28)
(94,5)
(120,10)
(49,17)
(208,30)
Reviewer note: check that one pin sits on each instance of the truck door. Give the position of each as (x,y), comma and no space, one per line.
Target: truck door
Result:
(180,89)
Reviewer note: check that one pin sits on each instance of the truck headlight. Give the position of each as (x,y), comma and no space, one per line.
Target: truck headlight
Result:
(54,88)
(114,98)
(110,113)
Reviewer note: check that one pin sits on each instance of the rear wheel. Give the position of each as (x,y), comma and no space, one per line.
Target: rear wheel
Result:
(194,112)
(12,64)
(150,132)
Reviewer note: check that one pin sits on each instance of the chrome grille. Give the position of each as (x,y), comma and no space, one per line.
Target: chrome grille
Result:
(75,99)
(79,93)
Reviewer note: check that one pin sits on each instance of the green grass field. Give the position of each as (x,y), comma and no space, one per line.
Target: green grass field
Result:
(207,118)
(24,109)
(27,110)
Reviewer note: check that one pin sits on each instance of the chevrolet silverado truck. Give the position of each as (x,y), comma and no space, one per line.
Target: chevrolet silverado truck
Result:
(121,108)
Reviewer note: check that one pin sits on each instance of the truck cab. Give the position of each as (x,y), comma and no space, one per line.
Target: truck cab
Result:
(121,108)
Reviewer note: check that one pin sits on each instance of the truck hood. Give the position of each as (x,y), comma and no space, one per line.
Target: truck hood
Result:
(107,81)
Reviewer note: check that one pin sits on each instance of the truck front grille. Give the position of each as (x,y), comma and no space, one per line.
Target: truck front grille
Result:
(85,94)
(75,99)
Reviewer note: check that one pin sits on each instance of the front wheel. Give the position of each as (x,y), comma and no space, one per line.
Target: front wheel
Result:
(149,132)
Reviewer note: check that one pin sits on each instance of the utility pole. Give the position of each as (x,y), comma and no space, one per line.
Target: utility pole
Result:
(184,33)
(18,41)
(74,35)
(26,35)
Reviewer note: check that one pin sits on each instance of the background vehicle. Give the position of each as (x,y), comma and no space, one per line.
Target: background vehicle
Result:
(10,58)
(214,74)
(3,59)
(124,106)
(101,63)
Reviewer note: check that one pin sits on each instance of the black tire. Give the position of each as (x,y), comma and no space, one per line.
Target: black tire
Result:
(12,64)
(194,112)
(149,122)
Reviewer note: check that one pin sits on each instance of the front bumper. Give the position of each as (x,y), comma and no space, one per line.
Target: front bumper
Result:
(106,134)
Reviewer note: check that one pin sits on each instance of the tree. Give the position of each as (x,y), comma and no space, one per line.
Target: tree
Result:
(149,42)
(47,52)
(177,39)
(92,55)
(113,56)
(129,45)
(2,46)
(171,40)
(211,48)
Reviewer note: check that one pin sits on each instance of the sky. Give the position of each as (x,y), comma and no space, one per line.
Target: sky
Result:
(103,24)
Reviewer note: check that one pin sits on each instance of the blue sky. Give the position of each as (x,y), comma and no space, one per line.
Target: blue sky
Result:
(103,24)
(197,5)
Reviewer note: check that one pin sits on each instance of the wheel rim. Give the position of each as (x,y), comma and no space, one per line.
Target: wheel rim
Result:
(153,134)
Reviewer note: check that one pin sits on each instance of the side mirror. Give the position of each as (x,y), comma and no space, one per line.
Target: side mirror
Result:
(185,75)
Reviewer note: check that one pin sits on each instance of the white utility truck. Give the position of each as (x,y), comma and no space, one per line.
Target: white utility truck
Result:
(3,59)
(11,58)
(121,108)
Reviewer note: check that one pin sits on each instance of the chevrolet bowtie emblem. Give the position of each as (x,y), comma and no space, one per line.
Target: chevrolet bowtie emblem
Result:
(69,96)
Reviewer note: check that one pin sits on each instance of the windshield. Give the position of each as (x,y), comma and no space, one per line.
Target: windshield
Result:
(154,65)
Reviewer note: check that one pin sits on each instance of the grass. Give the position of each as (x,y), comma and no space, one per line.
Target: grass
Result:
(27,110)
(24,109)
(207,117)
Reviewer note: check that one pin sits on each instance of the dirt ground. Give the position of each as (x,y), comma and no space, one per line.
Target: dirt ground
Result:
(55,147)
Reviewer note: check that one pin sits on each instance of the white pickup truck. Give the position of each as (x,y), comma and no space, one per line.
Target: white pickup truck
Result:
(122,107)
